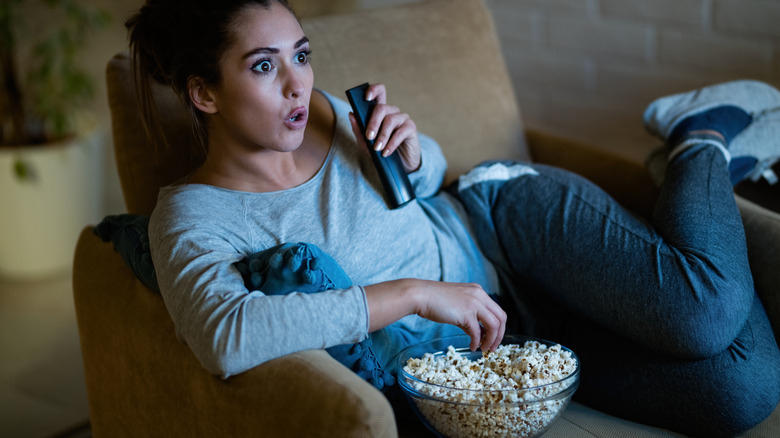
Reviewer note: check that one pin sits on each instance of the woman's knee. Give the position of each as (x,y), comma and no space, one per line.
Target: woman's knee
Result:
(714,318)
(744,400)
(744,385)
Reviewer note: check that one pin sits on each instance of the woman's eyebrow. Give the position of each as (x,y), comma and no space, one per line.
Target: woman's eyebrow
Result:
(301,42)
(273,50)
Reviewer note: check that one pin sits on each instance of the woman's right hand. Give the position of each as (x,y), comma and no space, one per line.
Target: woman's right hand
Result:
(465,305)
(390,128)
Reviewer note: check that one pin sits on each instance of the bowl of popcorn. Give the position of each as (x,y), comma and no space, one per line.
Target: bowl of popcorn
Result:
(518,390)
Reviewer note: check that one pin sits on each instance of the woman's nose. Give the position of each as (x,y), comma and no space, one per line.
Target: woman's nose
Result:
(293,84)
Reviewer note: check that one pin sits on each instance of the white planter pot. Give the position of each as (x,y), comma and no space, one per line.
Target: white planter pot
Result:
(41,215)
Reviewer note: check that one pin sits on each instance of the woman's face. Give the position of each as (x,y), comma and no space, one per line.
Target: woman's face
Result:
(262,100)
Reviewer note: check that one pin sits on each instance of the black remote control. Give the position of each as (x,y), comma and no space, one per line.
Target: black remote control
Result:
(391,171)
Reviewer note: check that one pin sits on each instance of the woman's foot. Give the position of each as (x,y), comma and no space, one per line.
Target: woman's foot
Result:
(741,118)
(716,127)
(755,150)
(721,123)
(753,97)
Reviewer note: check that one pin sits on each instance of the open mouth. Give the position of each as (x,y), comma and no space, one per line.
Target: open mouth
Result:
(297,114)
(297,118)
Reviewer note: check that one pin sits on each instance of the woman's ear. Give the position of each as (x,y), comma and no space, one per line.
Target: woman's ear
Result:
(201,96)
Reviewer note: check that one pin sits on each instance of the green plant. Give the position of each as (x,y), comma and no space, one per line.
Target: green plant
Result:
(43,88)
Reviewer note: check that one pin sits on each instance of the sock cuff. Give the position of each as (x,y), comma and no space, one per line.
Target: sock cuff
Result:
(687,144)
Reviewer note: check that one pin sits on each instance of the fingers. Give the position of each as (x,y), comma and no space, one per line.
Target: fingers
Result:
(390,129)
(393,129)
(384,122)
(376,91)
(493,327)
(469,307)
(474,331)
(491,324)
(396,130)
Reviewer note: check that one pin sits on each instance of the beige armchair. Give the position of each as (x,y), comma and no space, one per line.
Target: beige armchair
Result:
(441,63)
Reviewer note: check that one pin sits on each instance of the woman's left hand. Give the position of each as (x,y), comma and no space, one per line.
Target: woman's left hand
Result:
(390,129)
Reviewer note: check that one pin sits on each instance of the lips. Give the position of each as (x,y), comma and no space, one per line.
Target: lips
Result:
(297,118)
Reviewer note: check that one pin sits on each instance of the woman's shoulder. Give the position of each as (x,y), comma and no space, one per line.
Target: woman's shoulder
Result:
(189,194)
(191,204)
(343,137)
(341,110)
(340,106)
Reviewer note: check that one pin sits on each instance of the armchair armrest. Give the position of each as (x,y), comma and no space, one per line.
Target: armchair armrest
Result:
(626,180)
(762,231)
(141,381)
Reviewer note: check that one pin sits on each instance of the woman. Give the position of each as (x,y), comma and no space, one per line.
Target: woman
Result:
(284,165)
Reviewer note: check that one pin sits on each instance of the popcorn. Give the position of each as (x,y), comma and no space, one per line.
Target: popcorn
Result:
(502,393)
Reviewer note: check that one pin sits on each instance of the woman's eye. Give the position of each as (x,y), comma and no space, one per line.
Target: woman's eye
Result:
(302,57)
(263,66)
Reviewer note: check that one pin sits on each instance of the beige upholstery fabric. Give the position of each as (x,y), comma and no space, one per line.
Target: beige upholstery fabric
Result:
(441,63)
(142,382)
(144,168)
(762,230)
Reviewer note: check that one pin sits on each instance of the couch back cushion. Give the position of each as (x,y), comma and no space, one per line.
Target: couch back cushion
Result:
(441,63)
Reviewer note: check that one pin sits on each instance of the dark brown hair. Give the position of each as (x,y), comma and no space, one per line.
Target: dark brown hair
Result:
(172,41)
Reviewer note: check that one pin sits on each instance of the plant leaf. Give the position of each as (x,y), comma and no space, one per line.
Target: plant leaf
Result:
(24,171)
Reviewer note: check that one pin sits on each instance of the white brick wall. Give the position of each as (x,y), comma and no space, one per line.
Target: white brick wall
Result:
(674,12)
(751,18)
(601,39)
(588,68)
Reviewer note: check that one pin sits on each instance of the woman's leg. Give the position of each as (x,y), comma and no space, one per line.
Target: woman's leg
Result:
(592,256)
(664,312)
(687,272)
(722,395)
(672,336)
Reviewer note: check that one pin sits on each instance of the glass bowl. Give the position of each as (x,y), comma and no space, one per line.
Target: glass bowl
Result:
(452,411)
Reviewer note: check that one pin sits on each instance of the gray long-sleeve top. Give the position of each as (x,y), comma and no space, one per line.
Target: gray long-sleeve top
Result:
(198,231)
